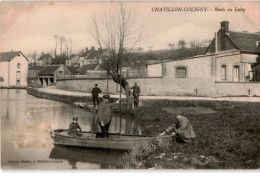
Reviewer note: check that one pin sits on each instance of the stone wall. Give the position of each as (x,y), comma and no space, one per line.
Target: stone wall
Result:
(149,86)
(162,86)
(237,89)
(200,81)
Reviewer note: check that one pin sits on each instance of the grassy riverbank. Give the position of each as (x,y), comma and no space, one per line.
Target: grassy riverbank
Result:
(227,134)
(228,138)
(69,99)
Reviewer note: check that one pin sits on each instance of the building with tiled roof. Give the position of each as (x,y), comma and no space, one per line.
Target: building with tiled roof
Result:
(13,69)
(44,59)
(48,75)
(85,68)
(242,53)
(244,42)
(73,70)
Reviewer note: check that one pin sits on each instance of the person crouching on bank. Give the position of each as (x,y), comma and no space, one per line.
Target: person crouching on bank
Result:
(182,130)
(105,115)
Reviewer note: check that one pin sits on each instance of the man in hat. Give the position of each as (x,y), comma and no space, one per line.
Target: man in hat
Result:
(105,114)
(95,92)
(73,128)
(136,93)
(182,128)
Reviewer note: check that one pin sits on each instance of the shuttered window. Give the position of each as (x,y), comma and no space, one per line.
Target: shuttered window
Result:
(223,72)
(18,75)
(181,72)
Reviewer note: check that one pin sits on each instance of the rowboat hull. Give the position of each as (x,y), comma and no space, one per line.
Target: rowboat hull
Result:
(115,141)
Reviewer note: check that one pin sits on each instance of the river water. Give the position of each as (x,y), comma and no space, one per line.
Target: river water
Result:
(26,122)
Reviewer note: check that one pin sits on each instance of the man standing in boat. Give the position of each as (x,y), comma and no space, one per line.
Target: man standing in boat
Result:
(136,93)
(105,114)
(95,92)
(73,128)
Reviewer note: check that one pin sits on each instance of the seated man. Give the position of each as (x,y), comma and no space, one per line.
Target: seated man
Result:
(73,128)
(182,129)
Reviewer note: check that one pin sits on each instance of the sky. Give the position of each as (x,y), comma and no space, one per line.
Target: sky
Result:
(31,26)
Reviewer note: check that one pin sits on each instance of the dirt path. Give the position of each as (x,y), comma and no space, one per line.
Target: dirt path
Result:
(78,94)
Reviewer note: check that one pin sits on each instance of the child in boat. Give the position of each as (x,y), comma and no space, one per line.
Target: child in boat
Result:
(183,130)
(104,115)
(73,128)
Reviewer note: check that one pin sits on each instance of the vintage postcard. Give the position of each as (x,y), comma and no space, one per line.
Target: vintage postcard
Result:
(129,85)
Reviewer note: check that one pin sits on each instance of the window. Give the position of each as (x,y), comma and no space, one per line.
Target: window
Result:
(18,75)
(181,72)
(223,72)
(18,65)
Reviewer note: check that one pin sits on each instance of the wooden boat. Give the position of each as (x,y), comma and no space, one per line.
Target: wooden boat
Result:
(115,141)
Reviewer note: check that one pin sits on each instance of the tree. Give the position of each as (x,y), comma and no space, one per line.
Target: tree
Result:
(182,44)
(68,46)
(171,45)
(33,56)
(114,33)
(62,40)
(56,37)
(199,44)
(139,49)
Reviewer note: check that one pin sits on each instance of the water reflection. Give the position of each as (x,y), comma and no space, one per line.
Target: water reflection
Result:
(74,155)
(128,124)
(25,125)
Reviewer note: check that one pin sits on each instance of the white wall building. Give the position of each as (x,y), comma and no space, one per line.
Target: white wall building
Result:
(13,69)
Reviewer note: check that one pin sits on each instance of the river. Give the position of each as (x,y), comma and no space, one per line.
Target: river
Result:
(26,122)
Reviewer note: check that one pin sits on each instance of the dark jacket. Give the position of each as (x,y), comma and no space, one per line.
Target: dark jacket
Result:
(72,131)
(136,90)
(105,112)
(95,91)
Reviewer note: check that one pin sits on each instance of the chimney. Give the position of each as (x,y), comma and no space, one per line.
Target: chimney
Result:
(12,50)
(225,26)
(224,29)
(92,48)
(86,49)
(42,53)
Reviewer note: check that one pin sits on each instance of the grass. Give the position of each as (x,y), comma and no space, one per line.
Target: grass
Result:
(227,139)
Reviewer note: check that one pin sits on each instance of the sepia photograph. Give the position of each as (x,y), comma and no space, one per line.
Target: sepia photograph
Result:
(130,85)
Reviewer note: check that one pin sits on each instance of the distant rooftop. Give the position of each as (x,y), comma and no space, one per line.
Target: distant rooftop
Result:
(49,70)
(245,41)
(44,56)
(8,56)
